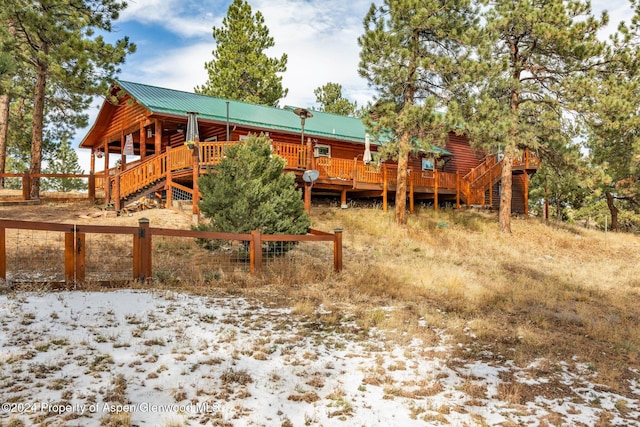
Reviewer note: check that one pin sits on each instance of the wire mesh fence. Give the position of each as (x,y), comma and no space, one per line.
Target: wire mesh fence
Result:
(109,257)
(179,259)
(45,252)
(35,256)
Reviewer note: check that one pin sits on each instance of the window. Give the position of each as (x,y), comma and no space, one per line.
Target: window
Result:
(427,164)
(322,151)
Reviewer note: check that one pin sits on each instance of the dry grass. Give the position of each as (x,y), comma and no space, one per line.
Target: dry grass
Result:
(542,292)
(560,293)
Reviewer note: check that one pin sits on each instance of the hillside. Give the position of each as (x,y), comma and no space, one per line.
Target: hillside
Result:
(445,321)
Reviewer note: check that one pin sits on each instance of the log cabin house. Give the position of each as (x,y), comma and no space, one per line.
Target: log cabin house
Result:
(144,128)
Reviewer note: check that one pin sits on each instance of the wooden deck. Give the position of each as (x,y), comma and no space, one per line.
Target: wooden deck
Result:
(336,174)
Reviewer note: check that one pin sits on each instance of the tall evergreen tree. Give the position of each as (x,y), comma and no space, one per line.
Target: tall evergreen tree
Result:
(57,40)
(7,71)
(531,53)
(613,121)
(240,68)
(64,161)
(330,98)
(407,54)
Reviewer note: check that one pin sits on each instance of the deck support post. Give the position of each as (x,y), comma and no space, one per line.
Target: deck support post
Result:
(143,142)
(116,192)
(411,198)
(384,188)
(169,197)
(107,177)
(307,197)
(91,185)
(490,188)
(435,189)
(157,143)
(526,193)
(343,199)
(457,189)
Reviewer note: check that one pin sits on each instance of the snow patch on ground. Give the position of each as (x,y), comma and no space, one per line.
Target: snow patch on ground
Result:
(75,358)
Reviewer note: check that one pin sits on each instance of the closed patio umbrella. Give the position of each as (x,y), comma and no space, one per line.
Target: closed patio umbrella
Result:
(192,137)
(366,158)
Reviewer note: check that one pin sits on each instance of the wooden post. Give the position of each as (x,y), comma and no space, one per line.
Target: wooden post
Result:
(255,253)
(384,188)
(343,199)
(158,137)
(490,188)
(142,251)
(69,256)
(26,186)
(80,257)
(107,177)
(435,188)
(307,197)
(526,193)
(337,250)
(411,198)
(123,158)
(143,142)
(457,189)
(92,186)
(3,254)
(116,192)
(309,155)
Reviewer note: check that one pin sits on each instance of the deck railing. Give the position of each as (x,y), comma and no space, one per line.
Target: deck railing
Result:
(472,186)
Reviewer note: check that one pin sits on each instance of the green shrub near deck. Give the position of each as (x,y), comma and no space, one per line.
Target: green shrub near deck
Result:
(248,191)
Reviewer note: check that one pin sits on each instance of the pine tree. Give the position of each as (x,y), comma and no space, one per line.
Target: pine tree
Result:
(530,55)
(64,161)
(240,69)
(613,121)
(330,98)
(407,54)
(249,191)
(57,40)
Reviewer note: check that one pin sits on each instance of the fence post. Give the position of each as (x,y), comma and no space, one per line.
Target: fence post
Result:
(255,253)
(26,186)
(69,256)
(337,250)
(80,257)
(142,251)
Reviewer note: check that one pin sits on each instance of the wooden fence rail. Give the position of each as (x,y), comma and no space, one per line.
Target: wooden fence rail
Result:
(75,245)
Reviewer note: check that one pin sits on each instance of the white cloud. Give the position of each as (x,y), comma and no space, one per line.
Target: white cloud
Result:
(183,18)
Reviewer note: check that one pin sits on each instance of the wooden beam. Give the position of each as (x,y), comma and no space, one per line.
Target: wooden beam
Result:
(435,188)
(411,198)
(457,189)
(526,193)
(343,199)
(158,137)
(384,188)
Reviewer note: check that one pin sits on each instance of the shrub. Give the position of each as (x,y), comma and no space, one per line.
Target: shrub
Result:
(249,191)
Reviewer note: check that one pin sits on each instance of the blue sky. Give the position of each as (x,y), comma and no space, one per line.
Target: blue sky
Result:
(174,40)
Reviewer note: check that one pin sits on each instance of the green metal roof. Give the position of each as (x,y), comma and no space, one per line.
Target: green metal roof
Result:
(178,103)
